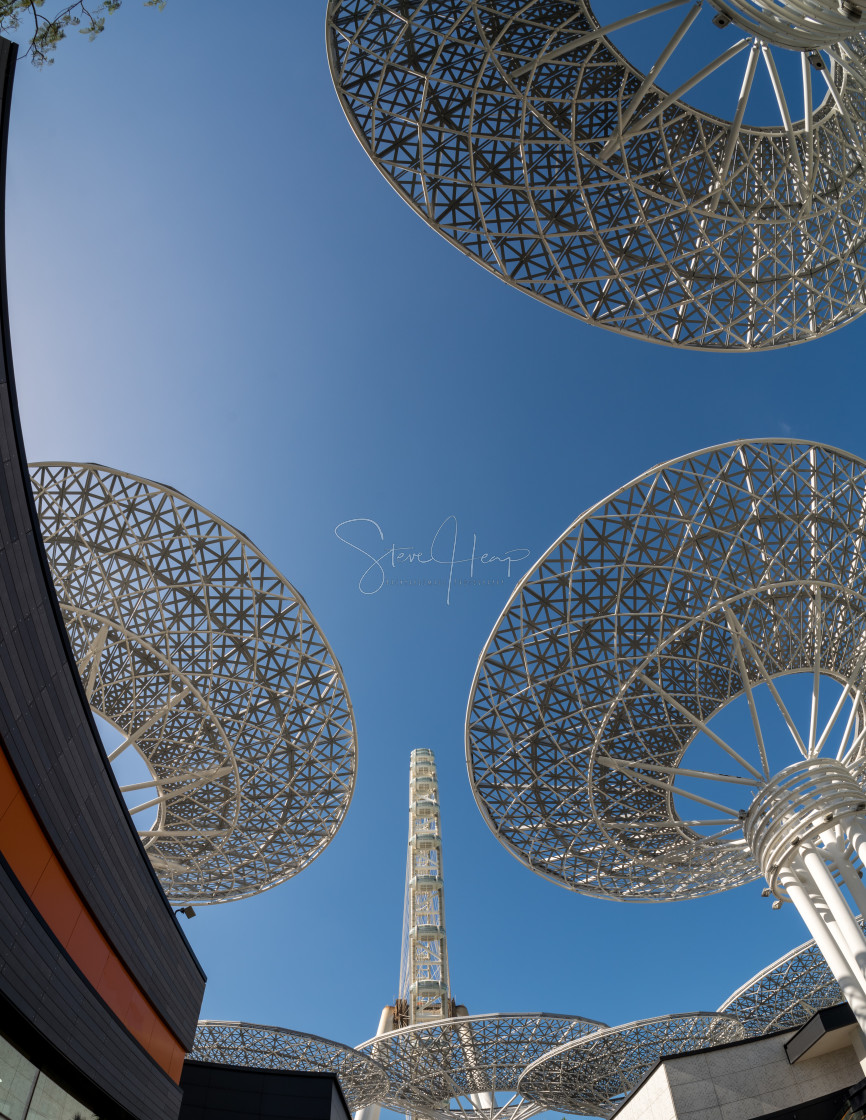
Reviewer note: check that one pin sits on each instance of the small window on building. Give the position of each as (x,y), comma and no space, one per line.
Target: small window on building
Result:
(50,1102)
(17,1078)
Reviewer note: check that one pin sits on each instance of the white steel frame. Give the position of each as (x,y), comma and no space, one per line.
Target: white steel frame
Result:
(440,1063)
(469,1066)
(594,1075)
(361,1078)
(703,580)
(521,134)
(786,993)
(212,667)
(425,990)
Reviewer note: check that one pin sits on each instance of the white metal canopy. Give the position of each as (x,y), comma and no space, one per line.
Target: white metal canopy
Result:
(212,667)
(786,993)
(470,1065)
(592,1076)
(705,580)
(521,133)
(361,1078)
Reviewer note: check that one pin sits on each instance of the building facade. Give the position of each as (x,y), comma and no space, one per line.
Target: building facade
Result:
(813,1073)
(213,1091)
(99,989)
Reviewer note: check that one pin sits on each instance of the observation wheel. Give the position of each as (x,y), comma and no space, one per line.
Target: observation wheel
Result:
(362,1079)
(212,668)
(594,1075)
(786,993)
(469,1065)
(592,744)
(526,137)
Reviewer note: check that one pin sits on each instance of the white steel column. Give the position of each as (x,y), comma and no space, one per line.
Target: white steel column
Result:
(838,964)
(804,827)
(853,942)
(386,1023)
(836,849)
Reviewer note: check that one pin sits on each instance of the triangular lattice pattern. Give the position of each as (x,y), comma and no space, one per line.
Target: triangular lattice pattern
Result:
(362,1080)
(620,644)
(209,661)
(474,1061)
(690,231)
(594,1075)
(786,993)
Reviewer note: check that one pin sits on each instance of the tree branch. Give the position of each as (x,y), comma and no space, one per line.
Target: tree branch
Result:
(49,31)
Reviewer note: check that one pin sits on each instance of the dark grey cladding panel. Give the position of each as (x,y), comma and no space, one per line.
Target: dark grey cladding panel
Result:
(49,733)
(836,1018)
(50,1013)
(339,1108)
(212,1091)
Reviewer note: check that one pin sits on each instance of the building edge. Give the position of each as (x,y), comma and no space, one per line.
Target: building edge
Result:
(99,988)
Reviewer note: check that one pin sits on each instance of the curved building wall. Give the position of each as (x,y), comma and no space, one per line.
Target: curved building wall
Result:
(98,986)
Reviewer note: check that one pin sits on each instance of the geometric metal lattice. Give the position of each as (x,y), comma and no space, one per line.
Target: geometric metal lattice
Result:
(520,133)
(468,1061)
(705,579)
(361,1078)
(210,664)
(786,993)
(593,1076)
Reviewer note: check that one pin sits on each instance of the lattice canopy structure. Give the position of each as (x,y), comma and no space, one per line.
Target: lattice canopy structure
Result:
(691,586)
(786,993)
(589,727)
(520,132)
(594,1075)
(470,1064)
(212,667)
(361,1078)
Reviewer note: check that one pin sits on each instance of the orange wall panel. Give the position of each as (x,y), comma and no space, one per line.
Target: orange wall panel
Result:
(88,948)
(115,987)
(57,901)
(40,872)
(23,844)
(8,785)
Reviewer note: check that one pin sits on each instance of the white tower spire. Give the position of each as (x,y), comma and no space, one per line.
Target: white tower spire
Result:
(425,992)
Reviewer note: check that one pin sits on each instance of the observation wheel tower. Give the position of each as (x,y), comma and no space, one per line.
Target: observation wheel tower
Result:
(442,1062)
(592,743)
(425,992)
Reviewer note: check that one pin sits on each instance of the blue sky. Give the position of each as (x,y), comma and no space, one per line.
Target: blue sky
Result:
(211,286)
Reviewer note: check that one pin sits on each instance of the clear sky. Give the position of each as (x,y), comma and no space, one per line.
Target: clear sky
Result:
(211,286)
